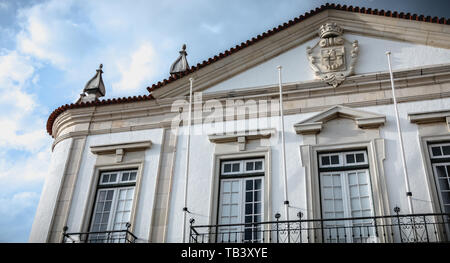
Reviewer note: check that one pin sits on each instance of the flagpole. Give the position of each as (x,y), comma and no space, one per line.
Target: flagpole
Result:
(400,138)
(188,143)
(286,200)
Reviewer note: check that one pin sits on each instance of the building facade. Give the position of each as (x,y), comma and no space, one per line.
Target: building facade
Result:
(119,169)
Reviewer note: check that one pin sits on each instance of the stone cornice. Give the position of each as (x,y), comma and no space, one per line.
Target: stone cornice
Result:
(430,117)
(357,91)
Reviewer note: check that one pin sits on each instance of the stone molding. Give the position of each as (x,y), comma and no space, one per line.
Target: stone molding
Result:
(120,148)
(432,82)
(363,119)
(430,117)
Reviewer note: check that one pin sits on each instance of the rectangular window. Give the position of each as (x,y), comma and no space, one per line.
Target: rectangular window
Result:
(440,159)
(346,193)
(241,200)
(113,203)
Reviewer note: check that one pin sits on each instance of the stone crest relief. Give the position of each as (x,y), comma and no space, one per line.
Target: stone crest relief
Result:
(329,58)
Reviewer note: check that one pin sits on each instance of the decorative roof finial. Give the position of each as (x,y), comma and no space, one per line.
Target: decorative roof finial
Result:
(180,65)
(94,88)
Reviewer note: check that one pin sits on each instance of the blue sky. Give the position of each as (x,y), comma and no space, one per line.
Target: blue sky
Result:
(49,49)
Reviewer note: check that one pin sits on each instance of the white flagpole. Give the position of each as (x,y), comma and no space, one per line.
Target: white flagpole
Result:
(188,143)
(400,138)
(286,200)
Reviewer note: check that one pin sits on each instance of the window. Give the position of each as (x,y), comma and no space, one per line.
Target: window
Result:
(241,200)
(440,159)
(114,200)
(346,193)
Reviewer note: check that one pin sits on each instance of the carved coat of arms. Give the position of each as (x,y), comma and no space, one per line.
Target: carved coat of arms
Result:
(328,58)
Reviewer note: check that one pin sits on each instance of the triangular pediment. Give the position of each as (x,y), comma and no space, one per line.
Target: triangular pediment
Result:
(248,65)
(363,119)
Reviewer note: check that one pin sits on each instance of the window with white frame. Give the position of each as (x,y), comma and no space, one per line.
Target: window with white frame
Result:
(346,193)
(113,204)
(440,160)
(241,200)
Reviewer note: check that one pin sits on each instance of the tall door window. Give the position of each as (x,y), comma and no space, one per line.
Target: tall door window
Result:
(241,200)
(346,193)
(112,209)
(440,159)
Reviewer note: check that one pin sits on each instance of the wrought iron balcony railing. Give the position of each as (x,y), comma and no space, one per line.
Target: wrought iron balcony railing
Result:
(376,229)
(114,236)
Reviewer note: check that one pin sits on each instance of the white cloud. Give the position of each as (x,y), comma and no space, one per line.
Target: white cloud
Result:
(215,29)
(137,70)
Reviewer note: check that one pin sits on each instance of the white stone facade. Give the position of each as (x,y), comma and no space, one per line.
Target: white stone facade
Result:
(140,135)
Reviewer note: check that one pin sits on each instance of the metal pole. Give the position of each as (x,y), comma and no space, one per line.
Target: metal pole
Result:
(400,138)
(188,143)
(286,200)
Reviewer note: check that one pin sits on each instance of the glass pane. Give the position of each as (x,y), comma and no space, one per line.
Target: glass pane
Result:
(257,196)
(249,197)
(327,192)
(236,167)
(249,185)
(354,191)
(325,160)
(338,205)
(443,184)
(235,198)
(257,184)
(113,178)
(257,208)
(440,169)
(125,177)
(336,179)
(334,159)
(226,210)
(365,203)
(105,178)
(258,166)
(446,149)
(226,187)
(436,151)
(359,157)
(337,192)
(110,194)
(234,210)
(133,176)
(248,219)
(248,209)
(227,168)
(350,158)
(352,179)
(364,190)
(249,166)
(236,188)
(355,204)
(102,195)
(362,178)
(326,180)
(226,198)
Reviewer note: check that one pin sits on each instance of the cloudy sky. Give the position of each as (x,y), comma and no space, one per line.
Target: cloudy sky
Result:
(50,48)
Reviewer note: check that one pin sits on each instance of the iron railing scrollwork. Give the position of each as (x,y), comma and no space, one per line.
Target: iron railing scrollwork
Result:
(395,228)
(112,236)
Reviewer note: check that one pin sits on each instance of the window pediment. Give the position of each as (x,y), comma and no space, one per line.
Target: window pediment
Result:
(363,119)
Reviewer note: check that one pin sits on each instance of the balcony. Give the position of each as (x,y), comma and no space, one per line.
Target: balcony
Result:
(414,228)
(113,236)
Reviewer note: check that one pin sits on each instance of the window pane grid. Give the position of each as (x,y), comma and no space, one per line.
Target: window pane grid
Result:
(112,210)
(347,194)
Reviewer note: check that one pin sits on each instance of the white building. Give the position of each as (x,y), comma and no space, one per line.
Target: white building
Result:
(121,164)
